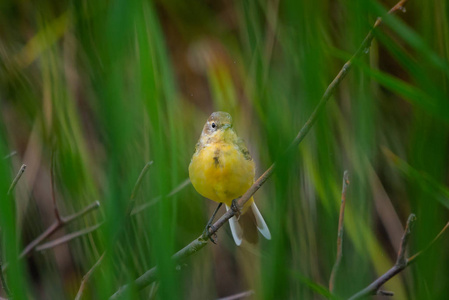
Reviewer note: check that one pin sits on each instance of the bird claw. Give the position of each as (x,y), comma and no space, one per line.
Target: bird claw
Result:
(236,209)
(207,235)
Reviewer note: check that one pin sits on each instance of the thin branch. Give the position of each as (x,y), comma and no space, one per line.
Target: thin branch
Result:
(340,231)
(33,244)
(400,6)
(132,199)
(401,261)
(57,224)
(238,296)
(10,154)
(128,214)
(81,213)
(87,276)
(68,237)
(54,227)
(16,179)
(153,201)
(199,243)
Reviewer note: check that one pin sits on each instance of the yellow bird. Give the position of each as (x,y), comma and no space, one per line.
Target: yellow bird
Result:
(222,170)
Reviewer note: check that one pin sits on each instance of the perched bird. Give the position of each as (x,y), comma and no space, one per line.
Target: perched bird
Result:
(222,170)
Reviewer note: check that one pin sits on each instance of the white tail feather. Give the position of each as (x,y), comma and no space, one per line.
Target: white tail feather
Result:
(236,229)
(261,225)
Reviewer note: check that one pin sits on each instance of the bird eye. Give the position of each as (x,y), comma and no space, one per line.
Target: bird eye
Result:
(214,125)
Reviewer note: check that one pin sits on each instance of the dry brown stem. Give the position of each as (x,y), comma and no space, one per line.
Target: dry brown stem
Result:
(401,262)
(340,231)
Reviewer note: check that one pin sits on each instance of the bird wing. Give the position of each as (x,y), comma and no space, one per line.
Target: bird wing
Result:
(242,148)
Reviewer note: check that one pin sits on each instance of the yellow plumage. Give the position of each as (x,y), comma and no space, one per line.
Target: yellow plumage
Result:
(222,170)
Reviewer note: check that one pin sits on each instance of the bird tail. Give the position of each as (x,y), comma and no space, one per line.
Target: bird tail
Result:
(260,222)
(236,229)
(247,224)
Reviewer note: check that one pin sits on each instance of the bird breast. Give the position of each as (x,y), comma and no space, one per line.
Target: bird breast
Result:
(221,172)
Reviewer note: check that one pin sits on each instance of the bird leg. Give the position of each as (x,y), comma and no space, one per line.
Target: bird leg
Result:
(206,233)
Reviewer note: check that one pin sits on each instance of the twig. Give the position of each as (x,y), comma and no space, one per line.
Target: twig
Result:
(66,238)
(340,231)
(158,198)
(401,262)
(16,179)
(132,199)
(199,243)
(238,296)
(80,213)
(10,154)
(128,214)
(87,276)
(53,228)
(57,224)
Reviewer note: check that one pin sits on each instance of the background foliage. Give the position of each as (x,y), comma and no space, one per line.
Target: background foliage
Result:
(111,85)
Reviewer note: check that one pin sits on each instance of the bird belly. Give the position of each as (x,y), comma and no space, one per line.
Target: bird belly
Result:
(221,173)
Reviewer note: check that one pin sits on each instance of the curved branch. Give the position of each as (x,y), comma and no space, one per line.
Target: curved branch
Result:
(401,262)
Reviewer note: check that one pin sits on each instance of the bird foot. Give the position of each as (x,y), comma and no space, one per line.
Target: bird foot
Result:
(235,208)
(207,235)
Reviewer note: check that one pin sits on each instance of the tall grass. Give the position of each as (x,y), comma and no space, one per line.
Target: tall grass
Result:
(108,86)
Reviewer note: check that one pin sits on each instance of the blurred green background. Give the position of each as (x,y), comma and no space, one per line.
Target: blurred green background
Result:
(108,86)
